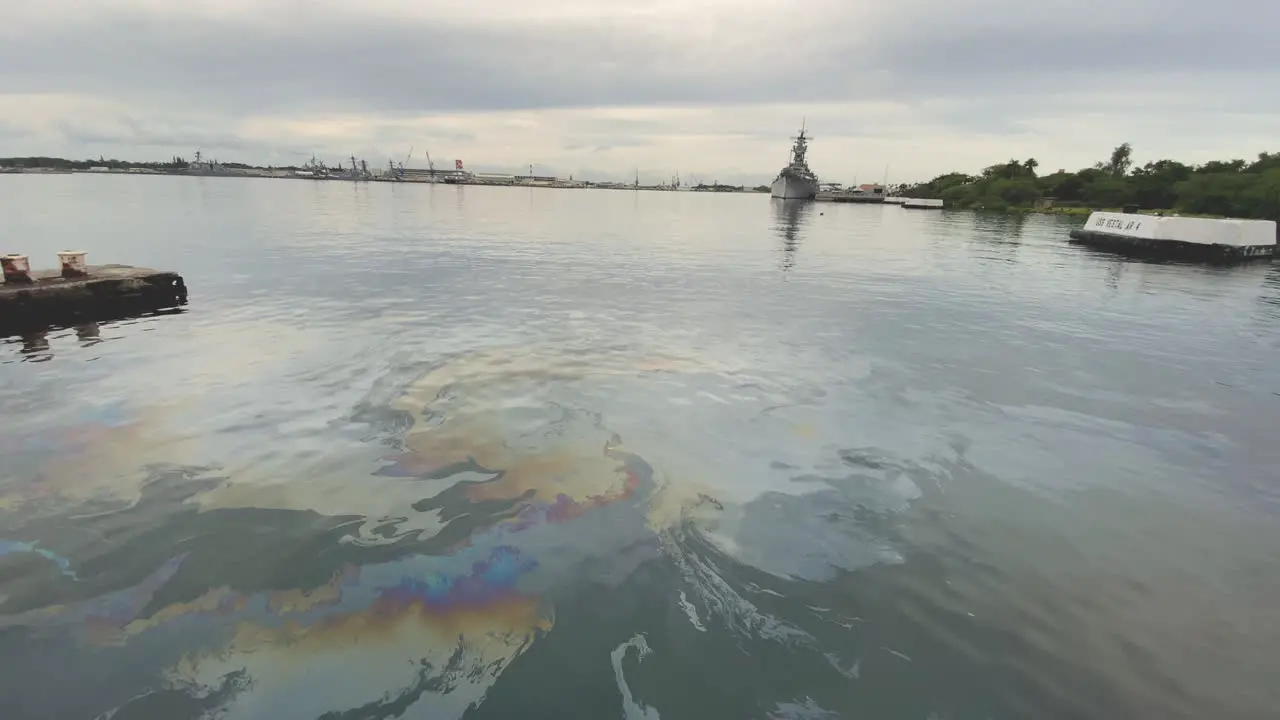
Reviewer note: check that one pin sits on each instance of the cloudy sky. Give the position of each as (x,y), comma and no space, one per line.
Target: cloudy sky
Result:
(601,88)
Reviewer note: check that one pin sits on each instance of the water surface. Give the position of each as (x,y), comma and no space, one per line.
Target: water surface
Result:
(445,452)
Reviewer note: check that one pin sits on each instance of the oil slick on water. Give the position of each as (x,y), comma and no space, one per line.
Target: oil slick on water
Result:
(436,561)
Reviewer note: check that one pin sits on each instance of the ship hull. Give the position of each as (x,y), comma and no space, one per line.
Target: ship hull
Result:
(794,188)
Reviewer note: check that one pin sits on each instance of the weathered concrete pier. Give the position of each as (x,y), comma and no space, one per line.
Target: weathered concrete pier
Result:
(78,293)
(1158,237)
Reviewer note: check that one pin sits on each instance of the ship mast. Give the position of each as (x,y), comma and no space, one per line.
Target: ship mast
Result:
(800,149)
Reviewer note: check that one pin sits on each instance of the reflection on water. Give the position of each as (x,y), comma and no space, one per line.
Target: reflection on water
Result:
(39,347)
(789,218)
(999,228)
(1269,298)
(88,334)
(588,454)
(997,236)
(35,347)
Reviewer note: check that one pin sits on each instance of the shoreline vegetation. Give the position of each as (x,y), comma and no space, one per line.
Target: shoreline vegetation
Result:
(1219,188)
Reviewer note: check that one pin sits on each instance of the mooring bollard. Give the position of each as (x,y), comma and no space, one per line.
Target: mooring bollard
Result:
(73,263)
(17,269)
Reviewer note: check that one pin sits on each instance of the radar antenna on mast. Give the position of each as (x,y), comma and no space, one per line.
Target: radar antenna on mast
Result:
(801,147)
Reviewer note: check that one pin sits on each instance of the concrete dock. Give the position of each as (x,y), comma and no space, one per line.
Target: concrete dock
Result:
(106,292)
(849,197)
(1188,239)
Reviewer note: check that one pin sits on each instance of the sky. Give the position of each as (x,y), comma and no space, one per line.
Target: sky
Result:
(603,89)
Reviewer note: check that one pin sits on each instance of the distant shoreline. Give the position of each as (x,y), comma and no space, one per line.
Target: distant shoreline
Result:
(289,173)
(286,174)
(316,170)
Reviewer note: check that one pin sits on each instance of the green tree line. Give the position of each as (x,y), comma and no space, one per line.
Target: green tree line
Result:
(1230,188)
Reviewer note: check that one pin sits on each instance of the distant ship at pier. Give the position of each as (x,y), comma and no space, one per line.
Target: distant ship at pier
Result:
(796,181)
(206,167)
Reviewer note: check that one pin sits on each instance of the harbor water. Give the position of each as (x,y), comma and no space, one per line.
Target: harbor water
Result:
(419,451)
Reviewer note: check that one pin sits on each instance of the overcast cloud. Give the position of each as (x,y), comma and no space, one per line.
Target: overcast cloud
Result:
(598,87)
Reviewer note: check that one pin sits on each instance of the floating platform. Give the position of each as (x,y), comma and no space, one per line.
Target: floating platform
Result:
(1158,237)
(847,197)
(922,204)
(105,292)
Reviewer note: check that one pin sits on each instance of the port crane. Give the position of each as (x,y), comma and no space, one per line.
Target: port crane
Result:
(396,170)
(431,168)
